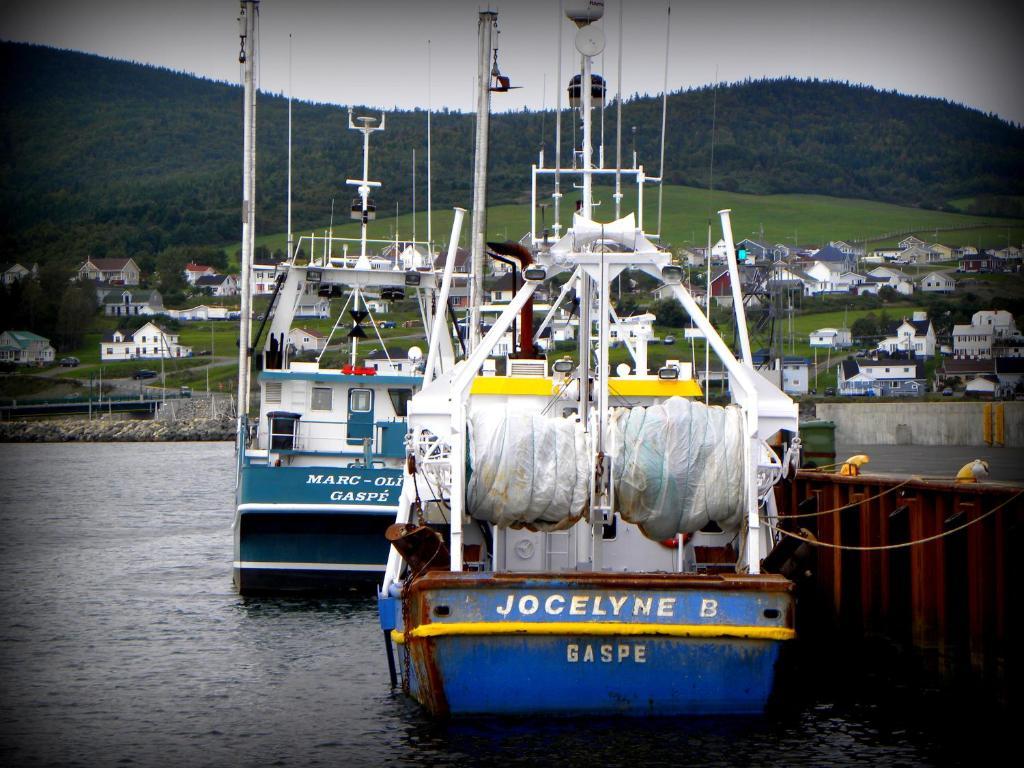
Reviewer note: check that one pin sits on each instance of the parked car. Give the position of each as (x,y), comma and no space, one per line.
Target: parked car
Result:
(69,362)
(388,324)
(143,373)
(670,340)
(185,391)
(830,391)
(947,392)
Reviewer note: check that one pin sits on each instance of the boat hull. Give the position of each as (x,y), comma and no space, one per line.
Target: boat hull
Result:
(658,644)
(297,535)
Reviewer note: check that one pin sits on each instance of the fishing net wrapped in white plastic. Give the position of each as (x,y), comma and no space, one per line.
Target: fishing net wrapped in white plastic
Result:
(677,466)
(527,471)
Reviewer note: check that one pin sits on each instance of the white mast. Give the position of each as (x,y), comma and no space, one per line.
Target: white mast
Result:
(247,57)
(618,126)
(290,254)
(557,226)
(487,23)
(430,199)
(366,126)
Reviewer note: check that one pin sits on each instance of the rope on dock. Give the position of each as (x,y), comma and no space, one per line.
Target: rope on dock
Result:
(852,503)
(902,545)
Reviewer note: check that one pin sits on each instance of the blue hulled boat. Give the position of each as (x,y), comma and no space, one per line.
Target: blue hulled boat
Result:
(574,539)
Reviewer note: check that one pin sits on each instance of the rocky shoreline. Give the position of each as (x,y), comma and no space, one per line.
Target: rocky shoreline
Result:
(116,431)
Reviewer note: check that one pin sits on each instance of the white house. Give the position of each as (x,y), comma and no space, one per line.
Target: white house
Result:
(834,338)
(202,312)
(12,273)
(195,271)
(25,348)
(833,277)
(264,276)
(972,341)
(393,361)
(999,320)
(887,377)
(305,340)
(901,282)
(127,302)
(148,342)
(938,282)
(916,335)
(217,285)
(796,375)
(312,305)
(116,271)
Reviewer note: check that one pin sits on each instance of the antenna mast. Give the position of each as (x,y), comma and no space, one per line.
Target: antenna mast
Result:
(247,57)
(366,126)
(487,23)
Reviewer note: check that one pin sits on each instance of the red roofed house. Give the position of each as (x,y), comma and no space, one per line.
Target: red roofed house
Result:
(194,271)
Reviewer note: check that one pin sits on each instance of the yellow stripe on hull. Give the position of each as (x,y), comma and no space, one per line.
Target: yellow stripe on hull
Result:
(455,629)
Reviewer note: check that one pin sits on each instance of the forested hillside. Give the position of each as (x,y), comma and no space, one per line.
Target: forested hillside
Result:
(103,157)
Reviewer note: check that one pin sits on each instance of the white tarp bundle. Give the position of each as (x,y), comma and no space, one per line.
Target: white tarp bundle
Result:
(527,471)
(677,466)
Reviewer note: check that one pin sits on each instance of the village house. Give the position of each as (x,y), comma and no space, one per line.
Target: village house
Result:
(202,312)
(791,373)
(25,348)
(148,342)
(114,271)
(884,377)
(899,281)
(125,302)
(12,273)
(834,338)
(792,278)
(393,361)
(264,275)
(990,331)
(195,271)
(217,285)
(304,340)
(972,341)
(975,262)
(916,336)
(938,282)
(834,277)
(910,242)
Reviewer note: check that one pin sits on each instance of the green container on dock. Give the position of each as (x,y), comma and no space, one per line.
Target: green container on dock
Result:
(819,443)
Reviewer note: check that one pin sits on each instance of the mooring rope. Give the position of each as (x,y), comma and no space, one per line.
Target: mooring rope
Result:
(902,545)
(847,506)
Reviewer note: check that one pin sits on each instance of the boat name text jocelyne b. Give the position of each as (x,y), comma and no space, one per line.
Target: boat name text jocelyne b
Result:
(598,605)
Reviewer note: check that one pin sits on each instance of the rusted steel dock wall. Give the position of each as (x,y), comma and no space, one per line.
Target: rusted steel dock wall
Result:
(956,595)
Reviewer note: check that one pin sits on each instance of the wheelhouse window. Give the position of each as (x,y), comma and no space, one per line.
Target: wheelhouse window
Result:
(320,399)
(400,401)
(360,400)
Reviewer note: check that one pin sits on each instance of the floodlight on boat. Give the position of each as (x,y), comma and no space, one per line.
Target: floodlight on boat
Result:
(622,369)
(412,278)
(535,274)
(668,372)
(565,365)
(672,274)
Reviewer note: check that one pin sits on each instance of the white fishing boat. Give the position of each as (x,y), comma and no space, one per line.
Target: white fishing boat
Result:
(575,538)
(320,465)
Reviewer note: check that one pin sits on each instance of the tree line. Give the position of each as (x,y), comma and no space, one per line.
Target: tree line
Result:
(107,158)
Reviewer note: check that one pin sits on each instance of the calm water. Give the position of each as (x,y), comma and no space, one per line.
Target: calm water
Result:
(122,642)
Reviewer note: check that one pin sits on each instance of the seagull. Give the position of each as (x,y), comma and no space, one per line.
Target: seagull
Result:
(973,472)
(851,467)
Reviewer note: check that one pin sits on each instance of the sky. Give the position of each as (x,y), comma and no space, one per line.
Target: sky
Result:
(376,51)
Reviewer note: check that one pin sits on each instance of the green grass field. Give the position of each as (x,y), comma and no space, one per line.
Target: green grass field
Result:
(804,219)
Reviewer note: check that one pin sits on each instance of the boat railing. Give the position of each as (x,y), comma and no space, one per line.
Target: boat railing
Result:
(339,438)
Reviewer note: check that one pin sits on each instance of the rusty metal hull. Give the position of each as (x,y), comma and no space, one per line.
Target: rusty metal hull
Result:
(568,644)
(955,596)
